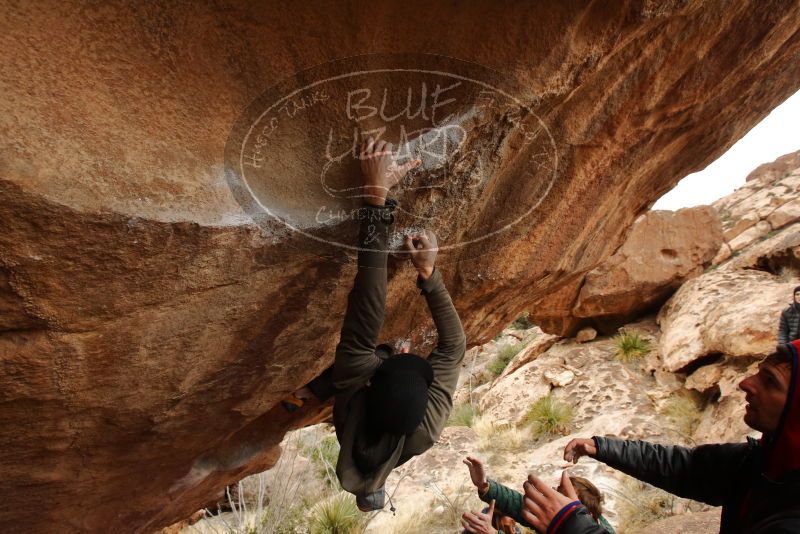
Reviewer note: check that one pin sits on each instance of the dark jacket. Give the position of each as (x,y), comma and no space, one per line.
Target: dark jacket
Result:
(757,483)
(356,360)
(789,327)
(509,502)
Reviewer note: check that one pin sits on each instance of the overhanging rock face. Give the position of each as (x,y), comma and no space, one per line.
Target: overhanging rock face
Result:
(173,261)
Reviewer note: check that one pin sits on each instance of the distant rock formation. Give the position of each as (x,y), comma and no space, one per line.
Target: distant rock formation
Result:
(663,250)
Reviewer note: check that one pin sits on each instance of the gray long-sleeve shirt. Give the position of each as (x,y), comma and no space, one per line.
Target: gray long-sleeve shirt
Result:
(356,361)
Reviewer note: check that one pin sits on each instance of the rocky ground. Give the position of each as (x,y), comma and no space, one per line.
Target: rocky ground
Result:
(674,383)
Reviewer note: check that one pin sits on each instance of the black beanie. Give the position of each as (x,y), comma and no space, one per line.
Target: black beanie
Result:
(398,394)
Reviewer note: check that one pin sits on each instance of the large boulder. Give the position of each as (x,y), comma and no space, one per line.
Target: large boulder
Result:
(158,304)
(662,251)
(723,312)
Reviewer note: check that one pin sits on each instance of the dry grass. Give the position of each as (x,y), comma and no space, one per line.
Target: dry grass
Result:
(462,415)
(683,409)
(502,437)
(641,505)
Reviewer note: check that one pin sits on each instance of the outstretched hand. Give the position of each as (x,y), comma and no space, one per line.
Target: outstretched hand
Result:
(479,522)
(579,447)
(422,247)
(380,169)
(476,471)
(542,503)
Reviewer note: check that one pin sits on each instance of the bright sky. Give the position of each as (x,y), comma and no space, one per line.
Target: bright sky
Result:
(776,135)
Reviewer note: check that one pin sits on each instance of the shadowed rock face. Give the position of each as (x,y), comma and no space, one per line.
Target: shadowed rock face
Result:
(153,314)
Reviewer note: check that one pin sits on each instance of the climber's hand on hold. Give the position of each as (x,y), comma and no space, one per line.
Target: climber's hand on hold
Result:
(380,169)
(422,247)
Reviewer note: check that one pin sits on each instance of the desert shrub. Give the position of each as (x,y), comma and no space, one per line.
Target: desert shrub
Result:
(337,514)
(505,355)
(495,436)
(630,346)
(324,454)
(684,411)
(511,439)
(641,506)
(454,503)
(462,415)
(549,416)
(266,503)
(521,322)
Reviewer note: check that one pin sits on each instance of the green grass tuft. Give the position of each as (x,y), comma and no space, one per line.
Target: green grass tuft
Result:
(462,415)
(503,357)
(521,322)
(549,416)
(631,346)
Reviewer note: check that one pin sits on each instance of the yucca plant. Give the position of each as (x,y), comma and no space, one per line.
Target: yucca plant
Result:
(336,515)
(549,416)
(630,346)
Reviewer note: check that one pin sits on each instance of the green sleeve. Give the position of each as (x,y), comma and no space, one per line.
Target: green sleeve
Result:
(507,501)
(606,525)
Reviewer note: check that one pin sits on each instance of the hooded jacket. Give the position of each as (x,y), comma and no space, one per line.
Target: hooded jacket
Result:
(357,359)
(789,327)
(757,483)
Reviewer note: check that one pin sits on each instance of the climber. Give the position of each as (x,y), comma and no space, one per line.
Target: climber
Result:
(757,483)
(387,407)
(789,328)
(507,503)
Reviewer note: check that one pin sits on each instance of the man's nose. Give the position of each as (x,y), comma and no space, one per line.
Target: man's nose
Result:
(745,385)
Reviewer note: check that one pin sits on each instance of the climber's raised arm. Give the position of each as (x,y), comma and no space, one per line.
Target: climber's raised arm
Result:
(446,357)
(355,360)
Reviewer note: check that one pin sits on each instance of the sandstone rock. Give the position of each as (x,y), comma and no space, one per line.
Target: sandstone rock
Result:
(775,170)
(786,214)
(745,223)
(559,378)
(705,378)
(533,348)
(722,312)
(160,314)
(776,253)
(749,236)
(511,395)
(723,254)
(586,334)
(662,251)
